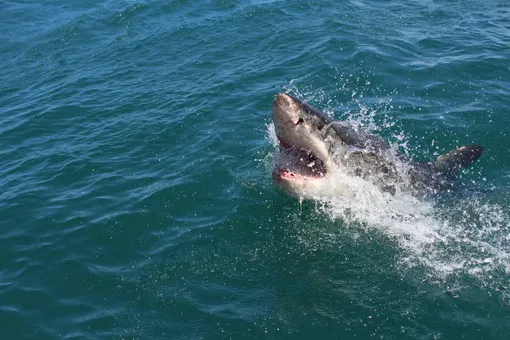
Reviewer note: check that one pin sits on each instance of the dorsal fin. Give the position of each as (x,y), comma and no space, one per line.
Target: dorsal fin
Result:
(454,161)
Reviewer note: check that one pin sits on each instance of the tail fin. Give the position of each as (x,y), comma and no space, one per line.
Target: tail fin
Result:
(451,163)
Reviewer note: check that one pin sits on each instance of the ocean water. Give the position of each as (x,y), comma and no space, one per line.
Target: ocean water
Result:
(136,195)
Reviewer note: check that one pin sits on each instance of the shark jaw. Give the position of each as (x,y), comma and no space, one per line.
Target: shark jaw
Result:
(297,163)
(298,171)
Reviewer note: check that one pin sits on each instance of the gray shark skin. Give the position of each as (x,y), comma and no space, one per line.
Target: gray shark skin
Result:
(314,146)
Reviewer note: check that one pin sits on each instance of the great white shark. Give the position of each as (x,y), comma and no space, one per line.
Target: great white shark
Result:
(313,146)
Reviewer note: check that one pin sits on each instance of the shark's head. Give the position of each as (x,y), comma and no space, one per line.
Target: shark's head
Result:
(305,150)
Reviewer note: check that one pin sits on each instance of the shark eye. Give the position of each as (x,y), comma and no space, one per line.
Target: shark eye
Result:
(320,126)
(300,120)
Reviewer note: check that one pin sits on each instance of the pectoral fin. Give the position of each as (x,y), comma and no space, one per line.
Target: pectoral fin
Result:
(451,163)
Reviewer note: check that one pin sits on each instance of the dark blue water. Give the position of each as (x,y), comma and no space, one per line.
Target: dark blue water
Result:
(136,196)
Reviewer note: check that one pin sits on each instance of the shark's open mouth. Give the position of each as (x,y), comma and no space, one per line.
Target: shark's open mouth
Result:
(294,163)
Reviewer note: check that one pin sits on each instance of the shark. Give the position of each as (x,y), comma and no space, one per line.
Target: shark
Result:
(313,146)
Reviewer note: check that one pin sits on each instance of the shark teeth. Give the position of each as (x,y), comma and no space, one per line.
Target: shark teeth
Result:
(297,163)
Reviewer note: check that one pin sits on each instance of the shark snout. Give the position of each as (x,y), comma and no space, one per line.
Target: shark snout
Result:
(283,109)
(282,100)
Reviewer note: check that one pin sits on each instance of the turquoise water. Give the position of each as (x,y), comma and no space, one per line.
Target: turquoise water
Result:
(137,148)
